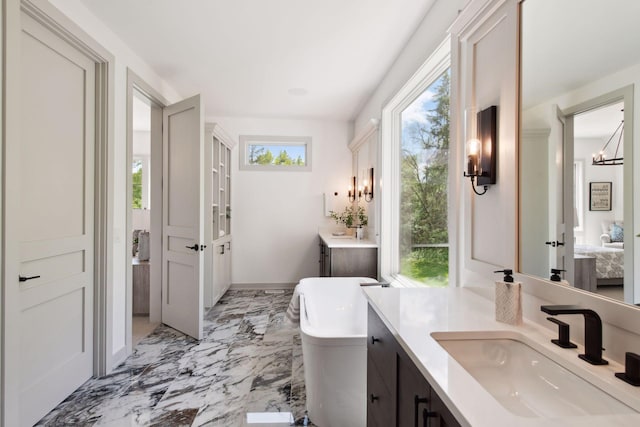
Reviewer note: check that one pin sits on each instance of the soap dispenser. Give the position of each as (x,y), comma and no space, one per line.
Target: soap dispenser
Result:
(508,299)
(555,276)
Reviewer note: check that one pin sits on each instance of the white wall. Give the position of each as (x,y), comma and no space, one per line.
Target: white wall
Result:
(431,32)
(124,58)
(276,214)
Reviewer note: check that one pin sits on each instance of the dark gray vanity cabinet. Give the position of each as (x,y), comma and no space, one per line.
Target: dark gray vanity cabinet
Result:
(381,373)
(348,262)
(397,393)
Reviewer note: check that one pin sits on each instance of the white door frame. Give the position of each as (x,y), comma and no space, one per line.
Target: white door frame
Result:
(52,19)
(626,95)
(135,82)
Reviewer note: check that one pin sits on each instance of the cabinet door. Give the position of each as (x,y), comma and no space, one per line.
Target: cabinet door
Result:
(380,399)
(354,262)
(325,261)
(381,347)
(226,259)
(413,394)
(439,415)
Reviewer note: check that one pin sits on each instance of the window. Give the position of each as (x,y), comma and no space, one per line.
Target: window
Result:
(275,153)
(414,229)
(424,164)
(140,173)
(136,175)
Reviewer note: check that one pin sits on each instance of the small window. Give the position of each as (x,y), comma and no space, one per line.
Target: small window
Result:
(290,153)
(136,176)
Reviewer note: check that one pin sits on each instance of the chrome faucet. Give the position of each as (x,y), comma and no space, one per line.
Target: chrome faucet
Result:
(592,330)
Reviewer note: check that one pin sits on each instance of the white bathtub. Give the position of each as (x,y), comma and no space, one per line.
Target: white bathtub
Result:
(333,326)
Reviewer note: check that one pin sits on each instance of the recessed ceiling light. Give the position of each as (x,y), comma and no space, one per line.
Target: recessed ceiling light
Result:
(298,91)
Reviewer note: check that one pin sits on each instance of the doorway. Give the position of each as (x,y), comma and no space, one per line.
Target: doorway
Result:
(144,210)
(141,218)
(600,195)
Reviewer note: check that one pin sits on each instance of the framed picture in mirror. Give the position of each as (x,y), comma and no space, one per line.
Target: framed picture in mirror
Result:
(600,196)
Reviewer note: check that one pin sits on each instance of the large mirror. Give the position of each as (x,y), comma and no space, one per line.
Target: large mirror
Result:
(580,73)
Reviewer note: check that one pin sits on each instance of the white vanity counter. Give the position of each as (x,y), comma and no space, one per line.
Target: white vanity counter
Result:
(345,241)
(412,315)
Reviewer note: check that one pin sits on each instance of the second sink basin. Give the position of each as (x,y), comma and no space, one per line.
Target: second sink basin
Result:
(523,380)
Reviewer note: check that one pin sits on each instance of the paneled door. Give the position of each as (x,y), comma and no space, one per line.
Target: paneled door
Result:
(183,216)
(56,220)
(560,239)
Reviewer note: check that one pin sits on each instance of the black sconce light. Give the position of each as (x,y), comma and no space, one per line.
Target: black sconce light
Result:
(352,190)
(368,187)
(481,152)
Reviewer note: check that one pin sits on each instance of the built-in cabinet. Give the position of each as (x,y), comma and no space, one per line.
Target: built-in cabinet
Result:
(397,393)
(349,261)
(218,219)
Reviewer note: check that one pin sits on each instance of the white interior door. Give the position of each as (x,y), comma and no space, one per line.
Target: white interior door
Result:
(56,181)
(183,218)
(560,239)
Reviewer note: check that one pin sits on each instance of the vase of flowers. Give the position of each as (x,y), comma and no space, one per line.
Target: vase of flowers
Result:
(352,217)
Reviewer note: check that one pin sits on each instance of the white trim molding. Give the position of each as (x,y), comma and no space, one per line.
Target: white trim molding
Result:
(368,130)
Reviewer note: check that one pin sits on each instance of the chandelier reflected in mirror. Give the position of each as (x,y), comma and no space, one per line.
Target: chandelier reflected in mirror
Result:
(602,158)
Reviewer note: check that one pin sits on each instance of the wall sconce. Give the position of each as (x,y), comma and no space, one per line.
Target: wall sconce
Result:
(368,187)
(481,152)
(352,190)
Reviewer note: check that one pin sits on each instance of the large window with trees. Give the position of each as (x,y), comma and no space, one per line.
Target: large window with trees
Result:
(414,158)
(424,160)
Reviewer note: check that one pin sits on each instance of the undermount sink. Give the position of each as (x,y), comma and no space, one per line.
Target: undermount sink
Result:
(523,380)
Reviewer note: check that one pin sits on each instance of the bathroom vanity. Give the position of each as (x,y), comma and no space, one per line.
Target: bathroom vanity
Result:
(439,355)
(393,379)
(346,256)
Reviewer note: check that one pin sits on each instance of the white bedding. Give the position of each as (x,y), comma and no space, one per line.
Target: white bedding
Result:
(609,261)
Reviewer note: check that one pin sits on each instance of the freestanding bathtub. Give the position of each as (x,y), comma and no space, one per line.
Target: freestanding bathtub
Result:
(333,327)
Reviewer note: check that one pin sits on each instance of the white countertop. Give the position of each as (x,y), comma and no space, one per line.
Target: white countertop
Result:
(345,241)
(413,314)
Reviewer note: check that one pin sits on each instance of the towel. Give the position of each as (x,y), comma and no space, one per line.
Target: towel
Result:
(293,311)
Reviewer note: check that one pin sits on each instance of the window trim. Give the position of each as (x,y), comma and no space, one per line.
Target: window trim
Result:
(391,134)
(247,140)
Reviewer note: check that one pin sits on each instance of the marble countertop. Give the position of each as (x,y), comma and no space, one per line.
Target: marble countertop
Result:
(345,241)
(413,314)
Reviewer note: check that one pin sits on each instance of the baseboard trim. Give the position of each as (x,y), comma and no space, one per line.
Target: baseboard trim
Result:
(261,286)
(119,357)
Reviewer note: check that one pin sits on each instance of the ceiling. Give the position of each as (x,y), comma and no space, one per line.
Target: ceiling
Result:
(600,122)
(275,58)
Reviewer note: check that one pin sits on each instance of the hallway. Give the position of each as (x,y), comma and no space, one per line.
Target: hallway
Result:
(250,360)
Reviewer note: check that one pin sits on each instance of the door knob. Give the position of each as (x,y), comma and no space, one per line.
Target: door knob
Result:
(554,243)
(194,247)
(24,279)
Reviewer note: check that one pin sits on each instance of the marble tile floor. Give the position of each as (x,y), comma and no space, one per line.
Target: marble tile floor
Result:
(250,360)
(141,327)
